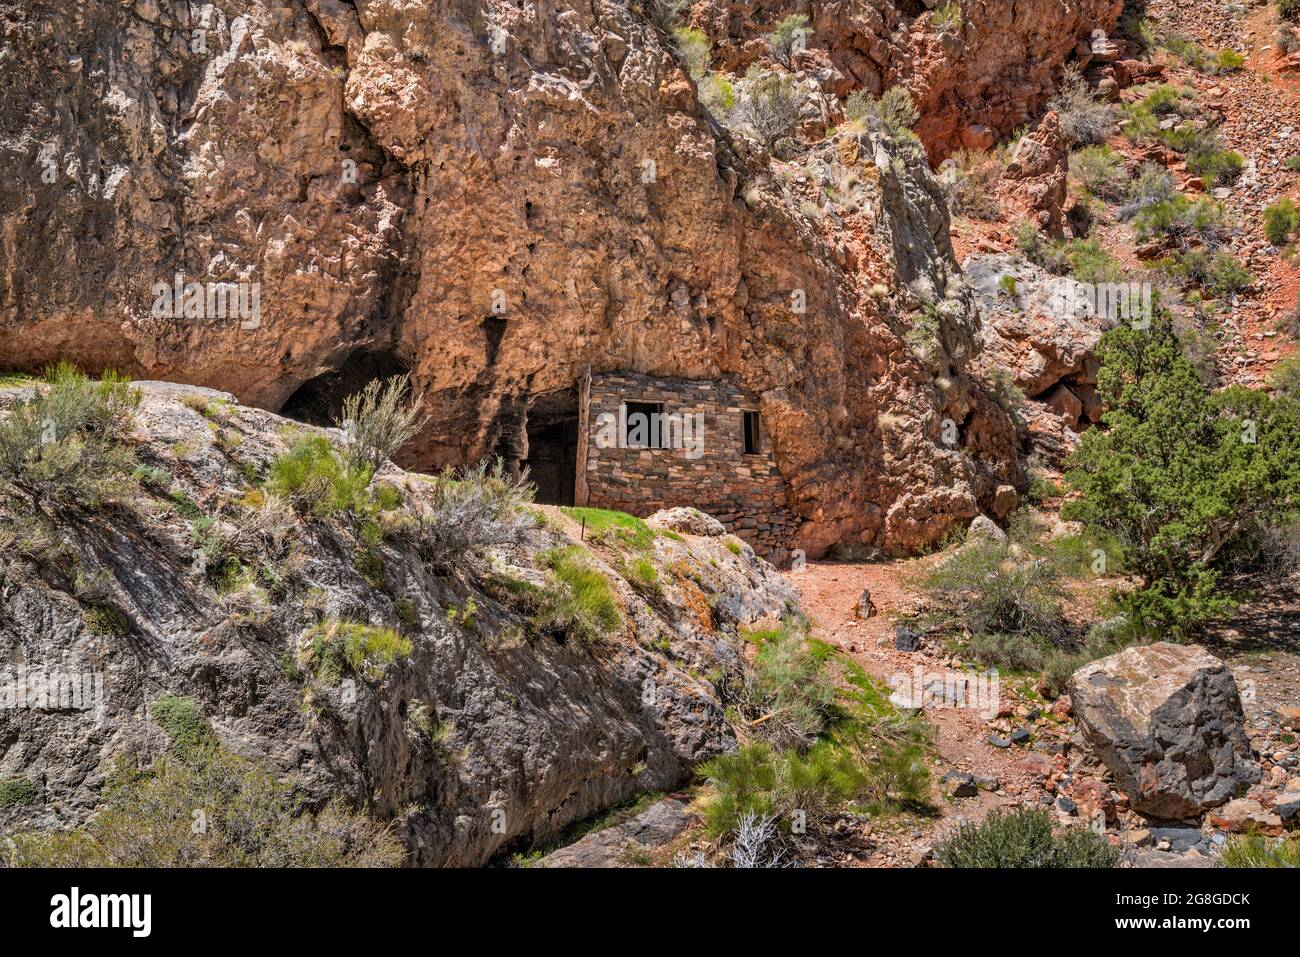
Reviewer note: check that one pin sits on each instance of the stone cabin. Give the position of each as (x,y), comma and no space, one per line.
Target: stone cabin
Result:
(642,443)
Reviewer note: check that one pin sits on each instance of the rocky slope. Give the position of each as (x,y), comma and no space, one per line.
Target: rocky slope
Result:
(974,80)
(495,197)
(488,736)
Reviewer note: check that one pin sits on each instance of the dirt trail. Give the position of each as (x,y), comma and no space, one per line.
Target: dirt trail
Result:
(830,596)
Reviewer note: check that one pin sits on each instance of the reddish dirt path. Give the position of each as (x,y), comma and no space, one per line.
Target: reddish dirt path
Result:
(830,595)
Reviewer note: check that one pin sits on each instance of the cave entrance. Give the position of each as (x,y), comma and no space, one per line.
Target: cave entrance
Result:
(319,401)
(552,460)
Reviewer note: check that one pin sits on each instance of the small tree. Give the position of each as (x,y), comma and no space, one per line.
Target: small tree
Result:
(1178,475)
(789,37)
(379,420)
(768,105)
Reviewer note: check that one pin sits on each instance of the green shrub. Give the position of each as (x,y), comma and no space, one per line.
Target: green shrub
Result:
(893,113)
(1153,184)
(786,686)
(1042,252)
(1100,170)
(1215,166)
(1226,275)
(947,18)
(1084,118)
(223,811)
(717,93)
(790,33)
(1228,61)
(1089,262)
(1000,587)
(764,782)
(1289,10)
(319,481)
(1256,850)
(695,49)
(335,647)
(17,792)
(1182,221)
(464,513)
(969,179)
(66,446)
(1281,220)
(767,105)
(185,724)
(378,421)
(1192,54)
(1178,474)
(579,602)
(1024,837)
(1285,378)
(1292,163)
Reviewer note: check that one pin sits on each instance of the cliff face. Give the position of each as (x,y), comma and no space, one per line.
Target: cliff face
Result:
(493,197)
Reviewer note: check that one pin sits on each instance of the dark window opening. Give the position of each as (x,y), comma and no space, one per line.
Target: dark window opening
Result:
(319,401)
(552,460)
(753,439)
(642,423)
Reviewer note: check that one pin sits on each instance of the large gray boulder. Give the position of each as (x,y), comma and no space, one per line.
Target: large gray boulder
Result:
(1167,720)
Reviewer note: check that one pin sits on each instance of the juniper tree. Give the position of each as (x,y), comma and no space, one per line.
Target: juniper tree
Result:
(1179,475)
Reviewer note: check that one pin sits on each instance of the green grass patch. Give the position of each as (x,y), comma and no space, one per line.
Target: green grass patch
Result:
(1256,850)
(185,724)
(336,646)
(106,621)
(580,601)
(605,526)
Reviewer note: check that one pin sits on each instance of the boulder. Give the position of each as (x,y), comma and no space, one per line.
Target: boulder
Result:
(1167,721)
(1005,500)
(984,527)
(687,521)
(1245,814)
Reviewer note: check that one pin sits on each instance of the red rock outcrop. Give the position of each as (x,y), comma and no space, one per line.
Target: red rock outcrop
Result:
(493,197)
(973,84)
(1033,185)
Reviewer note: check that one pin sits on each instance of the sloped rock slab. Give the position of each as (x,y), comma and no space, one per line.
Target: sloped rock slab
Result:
(653,827)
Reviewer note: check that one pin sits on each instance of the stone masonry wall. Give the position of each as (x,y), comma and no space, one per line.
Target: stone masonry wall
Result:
(745,492)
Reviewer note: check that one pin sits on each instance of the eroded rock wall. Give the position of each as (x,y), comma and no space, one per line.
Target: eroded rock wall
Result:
(493,196)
